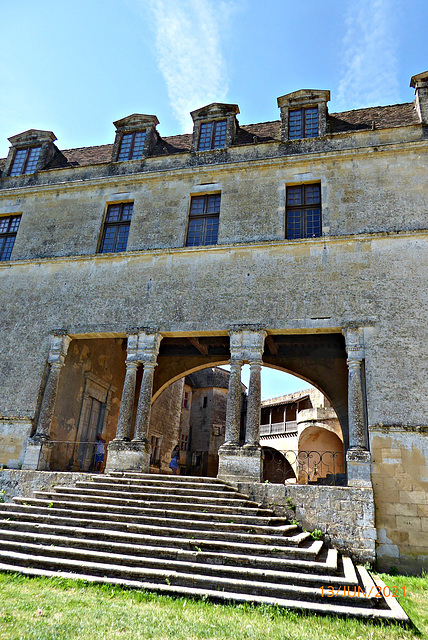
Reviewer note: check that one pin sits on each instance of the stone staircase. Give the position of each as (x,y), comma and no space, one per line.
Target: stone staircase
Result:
(185,536)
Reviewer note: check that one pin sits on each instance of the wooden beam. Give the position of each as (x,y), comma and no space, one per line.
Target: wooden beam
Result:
(202,348)
(272,346)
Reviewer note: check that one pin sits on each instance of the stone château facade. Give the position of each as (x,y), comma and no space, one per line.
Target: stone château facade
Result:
(298,244)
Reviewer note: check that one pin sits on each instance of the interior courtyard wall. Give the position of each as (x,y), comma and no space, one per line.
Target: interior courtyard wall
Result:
(165,422)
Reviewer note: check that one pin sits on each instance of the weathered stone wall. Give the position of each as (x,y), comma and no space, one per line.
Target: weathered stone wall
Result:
(13,435)
(20,482)
(346,514)
(165,421)
(400,485)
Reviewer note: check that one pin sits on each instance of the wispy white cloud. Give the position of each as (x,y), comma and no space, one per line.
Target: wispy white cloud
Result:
(188,44)
(369,68)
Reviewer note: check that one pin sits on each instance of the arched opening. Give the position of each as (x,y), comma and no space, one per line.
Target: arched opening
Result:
(321,456)
(276,467)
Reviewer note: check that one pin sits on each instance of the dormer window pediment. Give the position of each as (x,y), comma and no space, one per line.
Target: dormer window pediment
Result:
(214,126)
(135,137)
(303,114)
(30,151)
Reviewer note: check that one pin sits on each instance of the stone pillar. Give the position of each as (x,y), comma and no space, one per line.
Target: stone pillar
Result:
(124,454)
(252,432)
(236,463)
(233,407)
(123,431)
(357,457)
(37,444)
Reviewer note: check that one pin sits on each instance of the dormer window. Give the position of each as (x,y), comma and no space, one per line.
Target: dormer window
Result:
(132,146)
(136,136)
(25,161)
(303,123)
(214,126)
(303,114)
(212,135)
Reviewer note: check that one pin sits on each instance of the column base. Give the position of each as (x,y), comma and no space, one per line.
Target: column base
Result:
(128,456)
(240,464)
(37,454)
(359,468)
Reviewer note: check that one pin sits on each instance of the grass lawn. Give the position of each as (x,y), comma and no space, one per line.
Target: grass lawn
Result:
(58,609)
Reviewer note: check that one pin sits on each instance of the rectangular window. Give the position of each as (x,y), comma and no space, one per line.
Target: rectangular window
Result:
(131,146)
(304,211)
(184,445)
(303,123)
(155,456)
(8,230)
(203,220)
(25,161)
(116,228)
(212,135)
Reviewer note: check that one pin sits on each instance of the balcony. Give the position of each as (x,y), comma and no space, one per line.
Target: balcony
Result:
(278,428)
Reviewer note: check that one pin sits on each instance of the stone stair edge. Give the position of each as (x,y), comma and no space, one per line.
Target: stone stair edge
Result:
(397,615)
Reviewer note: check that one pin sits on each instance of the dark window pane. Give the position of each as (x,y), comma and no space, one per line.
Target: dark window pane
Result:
(195,232)
(197,206)
(311,122)
(295,124)
(294,195)
(205,136)
(213,204)
(125,147)
(116,228)
(14,223)
(220,134)
(303,219)
(8,228)
(33,156)
(211,231)
(18,162)
(137,151)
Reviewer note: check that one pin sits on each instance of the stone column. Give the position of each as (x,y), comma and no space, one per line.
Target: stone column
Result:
(357,457)
(233,407)
(236,463)
(35,444)
(252,432)
(123,431)
(125,454)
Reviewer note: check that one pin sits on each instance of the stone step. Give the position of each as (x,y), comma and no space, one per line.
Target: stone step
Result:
(14,510)
(159,489)
(165,478)
(394,612)
(194,542)
(152,511)
(167,481)
(239,584)
(142,549)
(169,529)
(91,491)
(131,555)
(160,504)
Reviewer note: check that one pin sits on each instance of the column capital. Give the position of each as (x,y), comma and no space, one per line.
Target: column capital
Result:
(58,349)
(148,347)
(247,345)
(354,340)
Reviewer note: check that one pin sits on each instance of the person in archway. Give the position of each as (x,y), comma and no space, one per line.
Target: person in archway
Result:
(174,465)
(99,453)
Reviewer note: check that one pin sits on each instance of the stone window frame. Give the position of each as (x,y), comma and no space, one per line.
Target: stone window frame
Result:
(215,135)
(216,112)
(133,125)
(300,100)
(26,142)
(206,215)
(8,234)
(122,223)
(135,149)
(25,160)
(302,208)
(306,125)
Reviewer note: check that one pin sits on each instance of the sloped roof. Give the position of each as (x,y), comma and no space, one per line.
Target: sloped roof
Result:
(355,120)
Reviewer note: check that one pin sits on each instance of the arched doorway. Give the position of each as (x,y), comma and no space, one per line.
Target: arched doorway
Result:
(276,468)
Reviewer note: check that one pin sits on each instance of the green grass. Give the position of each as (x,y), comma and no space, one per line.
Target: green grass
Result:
(58,609)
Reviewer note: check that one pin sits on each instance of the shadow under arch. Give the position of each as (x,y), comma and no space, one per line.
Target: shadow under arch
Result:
(319,359)
(276,467)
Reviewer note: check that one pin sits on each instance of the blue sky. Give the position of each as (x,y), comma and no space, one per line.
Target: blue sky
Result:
(75,67)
